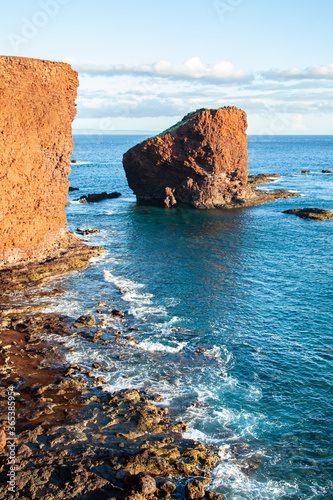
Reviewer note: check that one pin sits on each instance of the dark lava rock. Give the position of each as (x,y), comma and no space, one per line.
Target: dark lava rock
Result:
(211,495)
(254,180)
(194,489)
(305,171)
(86,320)
(167,488)
(327,171)
(73,189)
(117,314)
(94,197)
(75,161)
(84,232)
(311,213)
(140,483)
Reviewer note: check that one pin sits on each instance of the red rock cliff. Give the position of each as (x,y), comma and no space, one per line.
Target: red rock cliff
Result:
(37,107)
(201,162)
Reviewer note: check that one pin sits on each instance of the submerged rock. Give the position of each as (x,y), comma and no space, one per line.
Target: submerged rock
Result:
(200,162)
(311,213)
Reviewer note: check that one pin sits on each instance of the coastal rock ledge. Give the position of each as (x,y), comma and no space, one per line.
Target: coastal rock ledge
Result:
(200,162)
(37,107)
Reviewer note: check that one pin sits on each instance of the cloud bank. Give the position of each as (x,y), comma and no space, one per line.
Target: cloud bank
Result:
(193,69)
(126,92)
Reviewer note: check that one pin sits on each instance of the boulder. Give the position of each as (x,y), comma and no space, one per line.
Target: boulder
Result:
(86,320)
(194,490)
(117,314)
(140,483)
(327,171)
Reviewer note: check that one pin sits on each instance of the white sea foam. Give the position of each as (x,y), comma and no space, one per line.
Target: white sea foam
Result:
(228,474)
(122,283)
(158,347)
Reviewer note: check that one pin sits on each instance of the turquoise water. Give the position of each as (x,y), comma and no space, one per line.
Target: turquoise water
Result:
(251,286)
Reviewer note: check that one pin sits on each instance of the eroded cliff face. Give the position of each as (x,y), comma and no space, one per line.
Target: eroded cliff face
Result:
(37,107)
(200,162)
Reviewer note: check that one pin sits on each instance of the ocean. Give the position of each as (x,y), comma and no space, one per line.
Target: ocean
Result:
(252,287)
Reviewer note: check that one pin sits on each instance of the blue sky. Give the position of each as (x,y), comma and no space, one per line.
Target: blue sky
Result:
(143,65)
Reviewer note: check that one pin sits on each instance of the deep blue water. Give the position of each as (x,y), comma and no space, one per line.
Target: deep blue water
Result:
(252,286)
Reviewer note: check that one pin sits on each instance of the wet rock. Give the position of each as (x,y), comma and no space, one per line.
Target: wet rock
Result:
(76,162)
(140,483)
(117,314)
(194,490)
(95,197)
(84,232)
(96,365)
(311,213)
(167,488)
(211,495)
(254,180)
(305,171)
(327,171)
(70,189)
(85,320)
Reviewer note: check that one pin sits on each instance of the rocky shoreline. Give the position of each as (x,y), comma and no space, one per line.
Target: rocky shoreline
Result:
(76,440)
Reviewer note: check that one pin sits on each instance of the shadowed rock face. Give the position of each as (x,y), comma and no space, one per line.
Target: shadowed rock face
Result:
(37,107)
(200,162)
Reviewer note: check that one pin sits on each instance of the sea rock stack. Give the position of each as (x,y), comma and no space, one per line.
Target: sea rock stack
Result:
(37,107)
(200,162)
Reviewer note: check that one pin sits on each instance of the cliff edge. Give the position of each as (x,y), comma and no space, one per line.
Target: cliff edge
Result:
(37,107)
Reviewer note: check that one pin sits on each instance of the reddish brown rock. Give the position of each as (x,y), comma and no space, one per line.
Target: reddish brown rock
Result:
(37,107)
(200,162)
(2,439)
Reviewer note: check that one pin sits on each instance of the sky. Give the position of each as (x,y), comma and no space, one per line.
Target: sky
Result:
(144,65)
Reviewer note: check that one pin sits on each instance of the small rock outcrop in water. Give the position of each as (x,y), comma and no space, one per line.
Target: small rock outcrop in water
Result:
(327,171)
(311,213)
(94,197)
(200,162)
(254,180)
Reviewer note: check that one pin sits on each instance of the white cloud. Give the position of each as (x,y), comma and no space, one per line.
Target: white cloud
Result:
(193,69)
(282,100)
(311,73)
(298,125)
